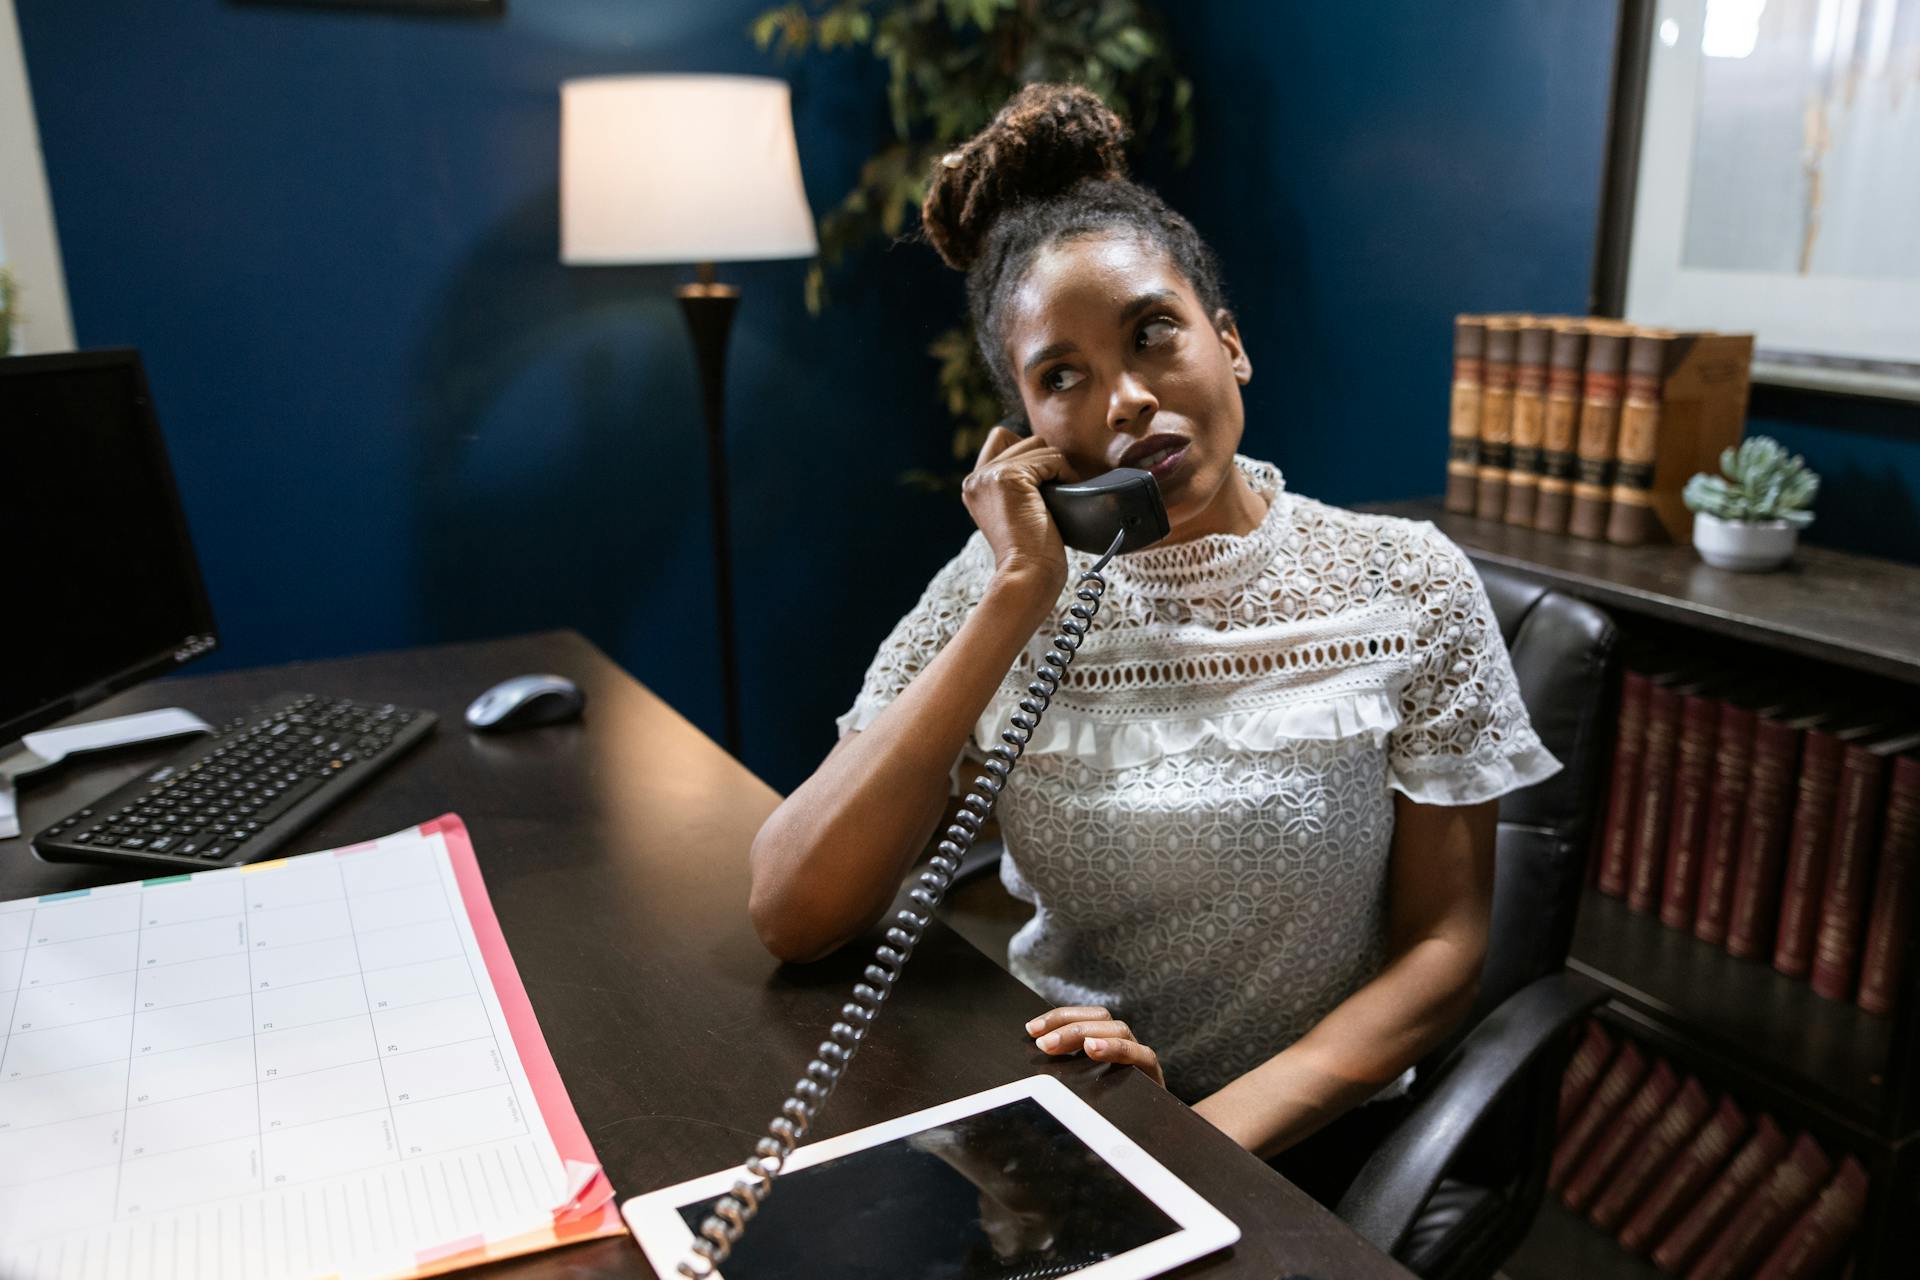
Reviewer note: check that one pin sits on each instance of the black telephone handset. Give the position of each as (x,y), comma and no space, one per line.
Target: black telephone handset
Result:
(1091,513)
(1106,516)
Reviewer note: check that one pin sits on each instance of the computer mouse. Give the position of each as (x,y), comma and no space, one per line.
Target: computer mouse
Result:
(526,701)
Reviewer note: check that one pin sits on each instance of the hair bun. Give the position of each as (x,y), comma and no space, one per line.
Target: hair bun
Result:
(1046,138)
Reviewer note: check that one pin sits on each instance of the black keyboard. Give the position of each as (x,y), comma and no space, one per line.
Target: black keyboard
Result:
(243,792)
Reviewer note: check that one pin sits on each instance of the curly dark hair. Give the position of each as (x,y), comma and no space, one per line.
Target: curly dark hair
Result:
(1050,166)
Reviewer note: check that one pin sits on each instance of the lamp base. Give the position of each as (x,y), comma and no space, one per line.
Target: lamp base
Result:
(709,307)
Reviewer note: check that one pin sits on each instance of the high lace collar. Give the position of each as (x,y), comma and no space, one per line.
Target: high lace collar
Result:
(1213,560)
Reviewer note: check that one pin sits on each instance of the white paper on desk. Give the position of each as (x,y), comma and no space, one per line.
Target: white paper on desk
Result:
(297,1068)
(9,814)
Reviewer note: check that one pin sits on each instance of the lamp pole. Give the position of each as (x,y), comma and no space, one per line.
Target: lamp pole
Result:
(709,307)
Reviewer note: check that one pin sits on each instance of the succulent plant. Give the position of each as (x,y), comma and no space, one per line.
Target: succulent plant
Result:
(1762,481)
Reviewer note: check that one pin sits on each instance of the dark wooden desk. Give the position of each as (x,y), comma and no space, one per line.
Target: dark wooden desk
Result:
(615,854)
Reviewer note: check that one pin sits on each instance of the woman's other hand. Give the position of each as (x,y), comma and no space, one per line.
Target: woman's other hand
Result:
(1002,494)
(1094,1031)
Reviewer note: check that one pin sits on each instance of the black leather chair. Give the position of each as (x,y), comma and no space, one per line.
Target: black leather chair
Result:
(1453,1188)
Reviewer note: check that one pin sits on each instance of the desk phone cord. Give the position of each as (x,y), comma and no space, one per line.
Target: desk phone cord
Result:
(722,1228)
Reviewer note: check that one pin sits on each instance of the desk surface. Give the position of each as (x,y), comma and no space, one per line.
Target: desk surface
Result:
(615,854)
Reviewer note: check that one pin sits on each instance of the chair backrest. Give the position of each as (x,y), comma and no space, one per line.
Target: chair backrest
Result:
(1562,651)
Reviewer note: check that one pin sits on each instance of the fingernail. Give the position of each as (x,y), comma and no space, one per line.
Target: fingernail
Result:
(1096,1046)
(1035,1025)
(1050,1039)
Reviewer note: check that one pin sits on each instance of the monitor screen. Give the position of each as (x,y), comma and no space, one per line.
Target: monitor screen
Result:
(99,577)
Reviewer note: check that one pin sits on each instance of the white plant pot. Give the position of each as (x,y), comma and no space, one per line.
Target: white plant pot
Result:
(1748,546)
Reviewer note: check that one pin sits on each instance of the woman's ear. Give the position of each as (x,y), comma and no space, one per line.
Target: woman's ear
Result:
(1223,324)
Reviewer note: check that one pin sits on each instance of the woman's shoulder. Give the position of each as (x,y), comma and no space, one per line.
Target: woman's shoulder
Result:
(1406,551)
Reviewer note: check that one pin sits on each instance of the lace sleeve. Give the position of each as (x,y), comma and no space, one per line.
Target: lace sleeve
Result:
(1464,735)
(922,634)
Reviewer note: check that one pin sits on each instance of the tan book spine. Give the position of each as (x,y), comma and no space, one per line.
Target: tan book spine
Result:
(1529,420)
(1630,518)
(1560,424)
(1463,417)
(1685,401)
(1496,418)
(1600,392)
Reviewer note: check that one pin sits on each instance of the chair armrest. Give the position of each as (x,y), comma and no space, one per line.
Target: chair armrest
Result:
(1387,1195)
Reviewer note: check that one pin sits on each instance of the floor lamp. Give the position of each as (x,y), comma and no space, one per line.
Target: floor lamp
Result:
(687,169)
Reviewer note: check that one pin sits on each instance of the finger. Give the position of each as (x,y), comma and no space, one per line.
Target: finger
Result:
(998,441)
(1067,1013)
(1036,461)
(1130,1052)
(1068,1038)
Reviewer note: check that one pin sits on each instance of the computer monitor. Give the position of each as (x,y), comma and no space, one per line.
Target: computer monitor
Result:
(100,585)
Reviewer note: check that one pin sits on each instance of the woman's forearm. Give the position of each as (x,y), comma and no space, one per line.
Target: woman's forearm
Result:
(831,857)
(1364,1044)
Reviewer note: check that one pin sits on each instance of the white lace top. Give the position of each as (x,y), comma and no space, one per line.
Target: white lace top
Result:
(1202,818)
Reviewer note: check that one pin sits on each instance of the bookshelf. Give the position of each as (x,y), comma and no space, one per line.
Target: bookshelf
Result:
(1849,1077)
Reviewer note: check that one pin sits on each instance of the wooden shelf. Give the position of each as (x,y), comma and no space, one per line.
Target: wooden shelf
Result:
(1562,1245)
(1830,1054)
(1853,611)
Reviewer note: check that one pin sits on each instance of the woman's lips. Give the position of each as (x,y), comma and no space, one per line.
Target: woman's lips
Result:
(1162,462)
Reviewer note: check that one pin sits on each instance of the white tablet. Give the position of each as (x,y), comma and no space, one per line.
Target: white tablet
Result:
(1024,1180)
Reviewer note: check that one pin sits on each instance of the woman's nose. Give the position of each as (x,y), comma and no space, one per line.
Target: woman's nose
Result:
(1131,403)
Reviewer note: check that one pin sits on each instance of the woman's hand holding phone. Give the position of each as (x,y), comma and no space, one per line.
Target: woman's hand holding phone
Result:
(1002,494)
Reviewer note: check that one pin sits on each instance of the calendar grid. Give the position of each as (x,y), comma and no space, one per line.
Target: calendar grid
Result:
(294,1068)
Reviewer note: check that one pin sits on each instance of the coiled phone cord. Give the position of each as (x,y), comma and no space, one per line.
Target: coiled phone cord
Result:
(723,1227)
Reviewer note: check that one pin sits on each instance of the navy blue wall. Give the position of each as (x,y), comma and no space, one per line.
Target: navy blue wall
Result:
(398,419)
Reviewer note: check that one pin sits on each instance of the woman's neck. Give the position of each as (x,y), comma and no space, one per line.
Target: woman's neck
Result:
(1235,509)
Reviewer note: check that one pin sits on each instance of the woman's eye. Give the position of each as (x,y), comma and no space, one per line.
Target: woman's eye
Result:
(1061,378)
(1156,331)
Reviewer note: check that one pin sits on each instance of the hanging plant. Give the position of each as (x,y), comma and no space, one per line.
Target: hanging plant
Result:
(950,65)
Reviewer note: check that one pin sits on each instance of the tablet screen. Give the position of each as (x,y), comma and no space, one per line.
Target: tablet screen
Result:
(1005,1193)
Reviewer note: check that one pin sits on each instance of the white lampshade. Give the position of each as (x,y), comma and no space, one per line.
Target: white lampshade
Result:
(680,168)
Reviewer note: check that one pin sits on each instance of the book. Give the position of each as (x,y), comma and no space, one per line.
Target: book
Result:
(1496,417)
(1529,419)
(1726,813)
(1560,426)
(1758,1157)
(1891,913)
(1766,1213)
(1685,400)
(1623,1076)
(1620,1135)
(1680,1120)
(1600,390)
(1623,787)
(1822,1230)
(1687,826)
(1463,415)
(1582,1073)
(1680,1184)
(1647,866)
(1808,842)
(1763,836)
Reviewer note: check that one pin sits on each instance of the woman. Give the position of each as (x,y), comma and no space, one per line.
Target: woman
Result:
(1256,822)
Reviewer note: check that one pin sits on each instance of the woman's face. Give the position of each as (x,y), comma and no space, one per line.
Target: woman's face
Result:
(1116,357)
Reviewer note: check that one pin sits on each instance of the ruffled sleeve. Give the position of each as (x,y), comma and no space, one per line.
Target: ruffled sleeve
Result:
(1464,734)
(920,635)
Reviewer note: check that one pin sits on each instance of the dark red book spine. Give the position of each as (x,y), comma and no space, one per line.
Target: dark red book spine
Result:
(1644,1162)
(1766,1214)
(1819,1234)
(1726,807)
(1647,867)
(1582,1074)
(1621,1134)
(1843,908)
(1709,1213)
(1687,828)
(1681,1183)
(1808,842)
(1616,833)
(1629,1067)
(1763,840)
(1893,891)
